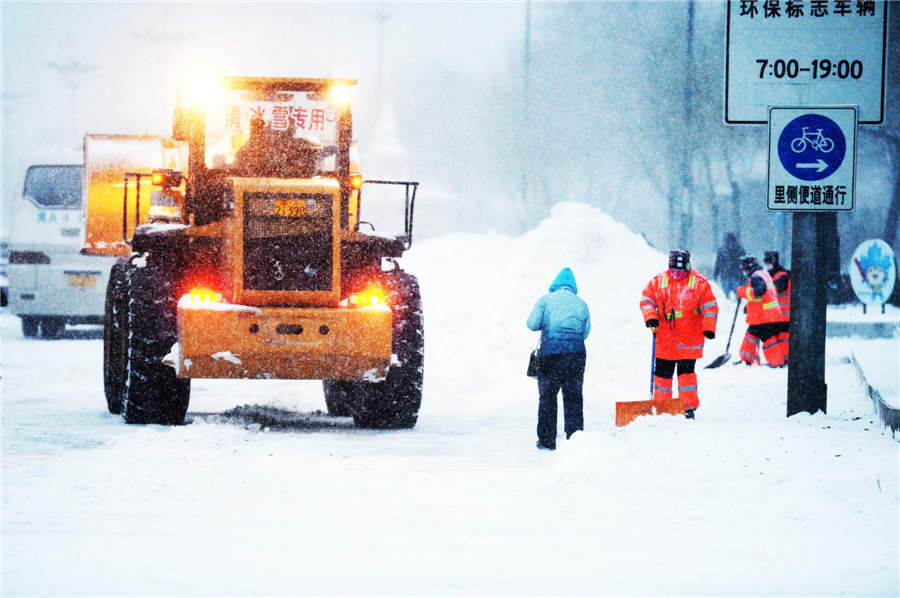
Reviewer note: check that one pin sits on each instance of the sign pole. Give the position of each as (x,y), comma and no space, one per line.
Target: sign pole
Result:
(806,387)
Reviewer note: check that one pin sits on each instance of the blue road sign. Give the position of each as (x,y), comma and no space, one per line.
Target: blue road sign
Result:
(812,147)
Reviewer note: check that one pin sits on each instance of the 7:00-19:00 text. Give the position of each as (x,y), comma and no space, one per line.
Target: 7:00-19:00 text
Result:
(818,69)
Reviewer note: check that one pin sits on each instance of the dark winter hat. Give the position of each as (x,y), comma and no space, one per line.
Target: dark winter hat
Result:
(679,259)
(749,265)
(771,257)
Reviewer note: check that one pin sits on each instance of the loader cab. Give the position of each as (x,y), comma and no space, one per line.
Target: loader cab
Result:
(240,128)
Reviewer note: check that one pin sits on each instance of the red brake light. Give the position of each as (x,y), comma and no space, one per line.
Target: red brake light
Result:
(207,295)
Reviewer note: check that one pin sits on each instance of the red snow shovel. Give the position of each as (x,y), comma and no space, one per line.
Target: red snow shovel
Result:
(628,411)
(724,357)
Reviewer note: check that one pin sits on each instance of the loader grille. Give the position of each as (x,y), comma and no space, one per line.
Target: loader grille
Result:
(287,242)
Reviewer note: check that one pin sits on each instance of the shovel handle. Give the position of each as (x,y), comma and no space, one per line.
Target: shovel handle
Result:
(652,362)
(733,320)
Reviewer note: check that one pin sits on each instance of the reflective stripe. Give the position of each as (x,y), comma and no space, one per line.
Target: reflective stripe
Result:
(667,390)
(680,346)
(750,356)
(710,313)
(649,300)
(705,305)
(768,305)
(665,281)
(692,281)
(690,388)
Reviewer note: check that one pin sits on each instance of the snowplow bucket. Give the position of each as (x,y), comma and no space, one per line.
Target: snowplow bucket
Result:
(110,216)
(628,411)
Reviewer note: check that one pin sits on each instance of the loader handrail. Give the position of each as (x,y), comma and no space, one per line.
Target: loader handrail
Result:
(137,202)
(410,206)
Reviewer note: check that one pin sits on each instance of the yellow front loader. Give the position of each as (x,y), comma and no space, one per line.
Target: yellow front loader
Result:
(242,256)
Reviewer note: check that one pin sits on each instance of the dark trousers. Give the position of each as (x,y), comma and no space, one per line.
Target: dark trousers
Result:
(665,368)
(565,371)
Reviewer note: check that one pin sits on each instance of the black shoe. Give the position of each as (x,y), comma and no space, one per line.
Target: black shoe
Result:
(689,413)
(544,447)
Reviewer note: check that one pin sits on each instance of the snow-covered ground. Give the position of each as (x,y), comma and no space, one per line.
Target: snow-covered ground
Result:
(263,495)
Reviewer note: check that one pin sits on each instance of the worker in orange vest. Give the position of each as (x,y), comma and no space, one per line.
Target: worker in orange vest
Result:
(764,317)
(782,280)
(678,305)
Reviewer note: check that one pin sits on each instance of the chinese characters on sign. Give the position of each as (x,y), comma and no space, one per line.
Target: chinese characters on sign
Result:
(816,195)
(795,9)
(305,118)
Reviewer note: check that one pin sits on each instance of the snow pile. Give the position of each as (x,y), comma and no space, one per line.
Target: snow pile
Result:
(478,290)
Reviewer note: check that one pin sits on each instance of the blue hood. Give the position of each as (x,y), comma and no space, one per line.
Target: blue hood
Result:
(565,278)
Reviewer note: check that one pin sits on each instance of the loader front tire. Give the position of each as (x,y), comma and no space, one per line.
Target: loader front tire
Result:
(153,393)
(115,333)
(394,402)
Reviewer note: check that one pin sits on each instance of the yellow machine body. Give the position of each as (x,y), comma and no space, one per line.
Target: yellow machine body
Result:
(222,341)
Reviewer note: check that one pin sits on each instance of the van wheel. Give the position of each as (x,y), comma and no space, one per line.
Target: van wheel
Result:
(394,402)
(152,393)
(29,326)
(115,322)
(52,327)
(337,397)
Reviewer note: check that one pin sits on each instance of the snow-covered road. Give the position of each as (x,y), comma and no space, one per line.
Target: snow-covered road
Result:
(740,501)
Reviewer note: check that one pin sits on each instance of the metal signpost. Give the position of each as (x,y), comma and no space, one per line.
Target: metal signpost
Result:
(813,71)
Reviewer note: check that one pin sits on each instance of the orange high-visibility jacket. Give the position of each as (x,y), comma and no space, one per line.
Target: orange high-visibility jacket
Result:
(685,308)
(781,278)
(762,299)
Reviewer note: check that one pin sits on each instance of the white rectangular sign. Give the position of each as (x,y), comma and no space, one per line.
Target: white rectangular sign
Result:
(812,158)
(804,53)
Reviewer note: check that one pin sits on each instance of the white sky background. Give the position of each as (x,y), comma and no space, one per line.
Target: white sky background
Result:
(131,87)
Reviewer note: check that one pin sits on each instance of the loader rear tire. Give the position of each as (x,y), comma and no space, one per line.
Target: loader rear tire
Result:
(337,397)
(153,393)
(115,332)
(394,402)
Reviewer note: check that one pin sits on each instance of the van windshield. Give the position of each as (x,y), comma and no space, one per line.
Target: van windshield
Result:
(54,186)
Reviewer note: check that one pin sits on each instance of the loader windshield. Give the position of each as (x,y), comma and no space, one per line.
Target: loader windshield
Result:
(286,134)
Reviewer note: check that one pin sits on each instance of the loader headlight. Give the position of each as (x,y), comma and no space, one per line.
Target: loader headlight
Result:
(340,95)
(204,92)
(166,178)
(356,180)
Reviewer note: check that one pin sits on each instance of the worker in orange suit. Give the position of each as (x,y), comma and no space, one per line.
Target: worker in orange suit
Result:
(781,278)
(678,305)
(764,317)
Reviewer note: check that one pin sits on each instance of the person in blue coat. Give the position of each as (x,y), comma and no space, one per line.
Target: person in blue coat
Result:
(564,321)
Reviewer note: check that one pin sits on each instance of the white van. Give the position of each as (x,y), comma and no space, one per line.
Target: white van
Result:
(51,283)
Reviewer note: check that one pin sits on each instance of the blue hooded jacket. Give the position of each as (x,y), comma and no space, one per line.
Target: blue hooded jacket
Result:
(561,316)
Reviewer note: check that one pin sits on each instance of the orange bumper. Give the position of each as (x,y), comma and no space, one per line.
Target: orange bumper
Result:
(229,341)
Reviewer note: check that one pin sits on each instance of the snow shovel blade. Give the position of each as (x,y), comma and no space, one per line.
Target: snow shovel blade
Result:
(628,411)
(719,361)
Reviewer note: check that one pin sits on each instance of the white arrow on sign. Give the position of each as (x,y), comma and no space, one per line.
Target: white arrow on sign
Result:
(819,165)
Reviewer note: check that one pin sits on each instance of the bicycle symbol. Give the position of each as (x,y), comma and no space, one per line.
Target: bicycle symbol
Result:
(816,140)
